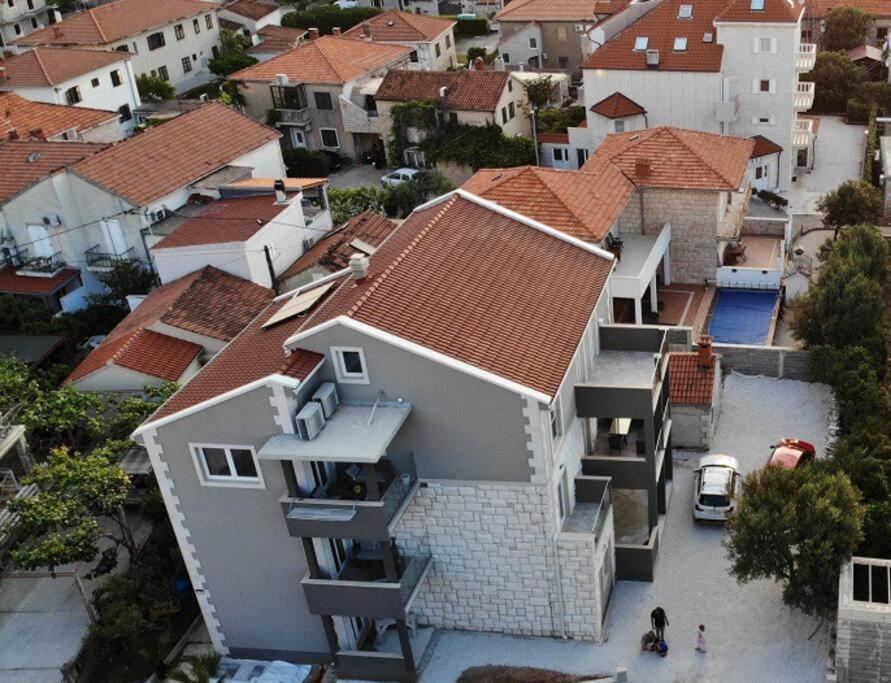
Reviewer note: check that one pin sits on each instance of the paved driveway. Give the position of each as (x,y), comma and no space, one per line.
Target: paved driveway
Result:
(751,636)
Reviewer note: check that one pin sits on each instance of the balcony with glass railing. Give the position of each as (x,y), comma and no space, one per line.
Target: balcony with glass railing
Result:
(106,260)
(39,266)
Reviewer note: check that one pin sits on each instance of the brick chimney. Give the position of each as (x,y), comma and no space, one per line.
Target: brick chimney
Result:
(312,33)
(642,168)
(366,30)
(479,64)
(704,354)
(335,30)
(36,134)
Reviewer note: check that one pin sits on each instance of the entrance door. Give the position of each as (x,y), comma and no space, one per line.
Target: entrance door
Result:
(801,158)
(41,244)
(114,236)
(298,138)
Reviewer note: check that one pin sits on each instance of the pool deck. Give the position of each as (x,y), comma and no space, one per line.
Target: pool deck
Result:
(761,252)
(686,305)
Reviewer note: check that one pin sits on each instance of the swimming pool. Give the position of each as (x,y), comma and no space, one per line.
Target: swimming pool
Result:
(743,316)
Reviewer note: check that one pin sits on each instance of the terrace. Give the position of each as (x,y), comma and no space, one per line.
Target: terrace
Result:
(98,260)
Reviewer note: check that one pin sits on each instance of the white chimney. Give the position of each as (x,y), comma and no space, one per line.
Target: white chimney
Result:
(280,196)
(443,91)
(359,266)
(281,79)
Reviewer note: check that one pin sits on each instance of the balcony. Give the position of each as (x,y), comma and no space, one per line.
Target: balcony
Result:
(805,57)
(802,133)
(362,589)
(730,226)
(592,507)
(727,112)
(40,266)
(804,96)
(357,119)
(345,508)
(295,117)
(106,260)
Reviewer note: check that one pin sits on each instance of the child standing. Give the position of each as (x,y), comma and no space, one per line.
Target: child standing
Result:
(700,639)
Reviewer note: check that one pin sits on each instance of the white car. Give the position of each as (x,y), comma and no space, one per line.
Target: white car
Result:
(399,176)
(715,488)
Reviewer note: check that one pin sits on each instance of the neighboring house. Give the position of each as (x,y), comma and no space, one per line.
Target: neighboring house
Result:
(431,39)
(21,17)
(170,39)
(22,119)
(428,7)
(764,168)
(252,15)
(394,517)
(29,202)
(75,77)
(549,35)
(695,396)
(116,195)
(172,332)
(863,621)
(271,41)
(464,97)
(871,61)
(322,92)
(665,201)
(729,67)
(816,11)
(268,231)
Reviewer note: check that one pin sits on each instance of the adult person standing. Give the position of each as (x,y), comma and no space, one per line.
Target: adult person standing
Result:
(659,620)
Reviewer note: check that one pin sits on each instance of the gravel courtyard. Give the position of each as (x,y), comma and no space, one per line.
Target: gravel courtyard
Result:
(751,636)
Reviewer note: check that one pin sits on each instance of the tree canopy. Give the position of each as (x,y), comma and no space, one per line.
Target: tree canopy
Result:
(232,56)
(851,203)
(837,78)
(845,27)
(327,17)
(154,87)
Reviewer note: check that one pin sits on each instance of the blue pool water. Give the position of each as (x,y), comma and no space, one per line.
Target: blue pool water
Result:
(742,316)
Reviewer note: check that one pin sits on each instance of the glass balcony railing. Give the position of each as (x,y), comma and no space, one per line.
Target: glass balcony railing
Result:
(417,566)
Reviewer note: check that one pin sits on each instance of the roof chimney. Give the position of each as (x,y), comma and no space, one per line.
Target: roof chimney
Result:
(13,135)
(479,64)
(312,33)
(366,30)
(359,266)
(642,168)
(280,196)
(704,354)
(444,91)
(335,30)
(37,134)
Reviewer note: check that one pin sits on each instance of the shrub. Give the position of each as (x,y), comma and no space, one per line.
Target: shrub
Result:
(481,147)
(349,202)
(232,56)
(773,199)
(305,163)
(154,87)
(326,17)
(555,120)
(471,27)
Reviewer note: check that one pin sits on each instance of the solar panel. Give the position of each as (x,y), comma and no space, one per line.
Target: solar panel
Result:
(300,303)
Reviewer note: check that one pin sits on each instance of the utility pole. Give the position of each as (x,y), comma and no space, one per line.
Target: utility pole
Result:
(266,253)
(534,136)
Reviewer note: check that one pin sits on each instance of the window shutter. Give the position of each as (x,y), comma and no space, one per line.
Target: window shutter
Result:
(754,120)
(756,86)
(773,46)
(773,86)
(756,45)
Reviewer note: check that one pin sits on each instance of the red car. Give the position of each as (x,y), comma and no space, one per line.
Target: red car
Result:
(792,453)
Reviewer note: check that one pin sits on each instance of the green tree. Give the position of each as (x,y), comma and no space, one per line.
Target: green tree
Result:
(400,200)
(554,120)
(539,91)
(61,416)
(232,56)
(854,374)
(132,411)
(61,523)
(851,203)
(154,87)
(845,27)
(796,527)
(124,279)
(349,202)
(837,78)
(17,386)
(306,163)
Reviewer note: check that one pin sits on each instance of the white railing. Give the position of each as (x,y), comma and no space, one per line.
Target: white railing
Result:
(804,96)
(805,56)
(802,132)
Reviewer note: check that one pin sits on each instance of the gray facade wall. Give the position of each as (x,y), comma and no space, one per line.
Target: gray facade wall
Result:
(863,648)
(770,361)
(558,39)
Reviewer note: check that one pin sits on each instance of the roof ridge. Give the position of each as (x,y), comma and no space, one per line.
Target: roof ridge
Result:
(697,153)
(97,25)
(544,179)
(46,75)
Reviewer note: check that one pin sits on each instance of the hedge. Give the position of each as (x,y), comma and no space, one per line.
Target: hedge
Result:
(470,27)
(481,147)
(326,17)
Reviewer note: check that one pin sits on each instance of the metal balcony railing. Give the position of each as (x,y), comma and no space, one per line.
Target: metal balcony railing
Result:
(107,259)
(41,266)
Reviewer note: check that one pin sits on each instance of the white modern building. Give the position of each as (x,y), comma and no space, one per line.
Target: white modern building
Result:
(20,17)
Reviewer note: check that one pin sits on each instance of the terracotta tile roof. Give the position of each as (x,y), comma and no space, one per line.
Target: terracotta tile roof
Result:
(764,146)
(468,90)
(170,156)
(565,10)
(328,59)
(690,383)
(396,27)
(774,12)
(116,20)
(617,106)
(277,39)
(677,158)
(53,65)
(554,138)
(226,220)
(866,52)
(208,302)
(661,26)
(291,184)
(334,250)
(13,283)
(584,204)
(23,163)
(251,9)
(819,9)
(19,117)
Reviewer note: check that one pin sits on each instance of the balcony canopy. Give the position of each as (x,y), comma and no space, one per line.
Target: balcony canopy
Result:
(357,432)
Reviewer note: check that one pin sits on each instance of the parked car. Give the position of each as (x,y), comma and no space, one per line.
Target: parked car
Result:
(715,488)
(399,176)
(792,453)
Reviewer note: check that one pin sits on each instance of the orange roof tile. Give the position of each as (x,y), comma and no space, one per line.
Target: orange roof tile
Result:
(394,27)
(329,59)
(13,283)
(764,146)
(617,106)
(24,163)
(566,10)
(145,351)
(677,158)
(468,90)
(251,9)
(277,39)
(584,204)
(820,9)
(774,12)
(53,65)
(20,117)
(553,138)
(690,383)
(111,22)
(175,154)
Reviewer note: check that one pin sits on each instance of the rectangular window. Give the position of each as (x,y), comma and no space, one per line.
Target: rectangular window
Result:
(94,82)
(563,62)
(17,29)
(208,21)
(11,3)
(506,57)
(448,41)
(562,33)
(764,45)
(30,4)
(559,154)
(619,125)
(155,41)
(504,115)
(758,172)
(556,418)
(640,43)
(187,65)
(764,85)
(533,43)
(323,101)
(561,505)
(288,97)
(179,31)
(162,73)
(196,25)
(510,84)
(124,113)
(329,137)
(227,465)
(413,56)
(437,49)
(116,78)
(349,365)
(680,44)
(34,22)
(511,109)
(72,95)
(685,12)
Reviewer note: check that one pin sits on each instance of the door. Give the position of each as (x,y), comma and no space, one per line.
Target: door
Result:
(114,236)
(298,138)
(41,244)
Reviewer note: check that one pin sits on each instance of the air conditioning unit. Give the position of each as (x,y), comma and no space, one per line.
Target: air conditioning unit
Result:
(326,396)
(51,219)
(310,421)
(308,241)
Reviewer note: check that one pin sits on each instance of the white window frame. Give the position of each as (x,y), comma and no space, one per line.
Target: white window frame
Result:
(685,12)
(680,44)
(641,43)
(336,136)
(340,371)
(235,481)
(533,43)
(560,154)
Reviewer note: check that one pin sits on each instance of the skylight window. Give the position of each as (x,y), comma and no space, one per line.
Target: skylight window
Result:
(685,12)
(680,44)
(708,37)
(640,43)
(757,5)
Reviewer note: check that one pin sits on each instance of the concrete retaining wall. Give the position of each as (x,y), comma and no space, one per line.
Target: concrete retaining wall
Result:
(770,361)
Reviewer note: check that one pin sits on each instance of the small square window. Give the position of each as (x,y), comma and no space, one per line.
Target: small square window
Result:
(349,365)
(329,137)
(94,82)
(216,462)
(764,85)
(116,78)
(560,154)
(243,460)
(640,43)
(324,101)
(533,43)
(506,57)
(124,113)
(680,44)
(72,95)
(619,125)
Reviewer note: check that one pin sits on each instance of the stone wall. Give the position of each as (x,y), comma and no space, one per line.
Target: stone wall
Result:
(690,426)
(764,226)
(770,361)
(630,221)
(863,649)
